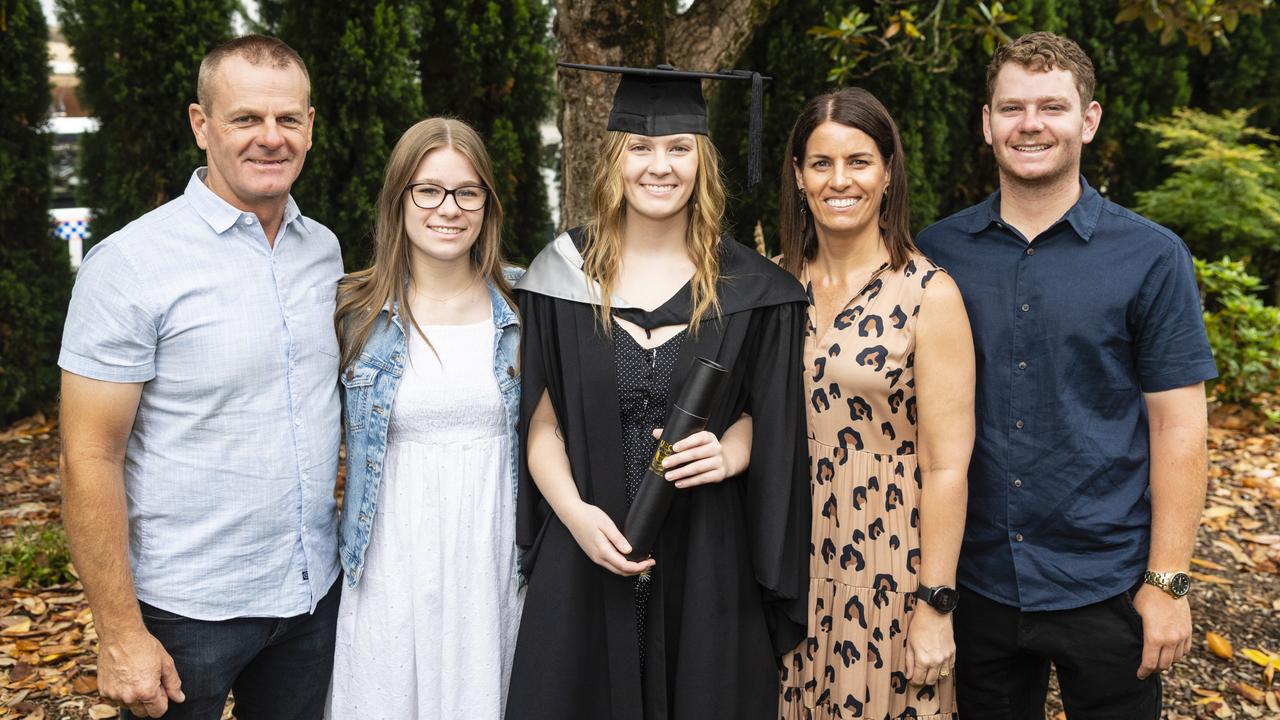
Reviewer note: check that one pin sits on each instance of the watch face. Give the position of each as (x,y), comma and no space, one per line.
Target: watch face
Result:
(1179,584)
(945,599)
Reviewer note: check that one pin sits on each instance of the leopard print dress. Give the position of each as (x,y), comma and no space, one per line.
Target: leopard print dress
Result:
(865,548)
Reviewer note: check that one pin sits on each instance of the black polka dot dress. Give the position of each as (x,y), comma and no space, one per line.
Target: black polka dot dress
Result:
(644,384)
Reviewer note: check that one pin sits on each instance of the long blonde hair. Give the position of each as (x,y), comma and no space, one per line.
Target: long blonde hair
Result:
(602,254)
(363,294)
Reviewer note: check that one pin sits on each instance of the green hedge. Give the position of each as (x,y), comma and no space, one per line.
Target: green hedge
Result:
(35,277)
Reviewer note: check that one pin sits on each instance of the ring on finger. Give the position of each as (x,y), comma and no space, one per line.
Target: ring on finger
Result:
(944,672)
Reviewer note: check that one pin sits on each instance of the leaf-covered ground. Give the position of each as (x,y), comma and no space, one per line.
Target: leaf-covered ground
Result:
(47,637)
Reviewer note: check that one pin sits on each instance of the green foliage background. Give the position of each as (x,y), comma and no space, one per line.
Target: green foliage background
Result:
(1242,330)
(939,113)
(143,153)
(489,63)
(35,278)
(377,67)
(483,61)
(365,93)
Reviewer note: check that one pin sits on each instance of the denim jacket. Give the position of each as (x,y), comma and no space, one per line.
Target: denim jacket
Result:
(368,389)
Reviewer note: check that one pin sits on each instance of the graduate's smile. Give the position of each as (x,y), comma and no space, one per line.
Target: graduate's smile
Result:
(658,174)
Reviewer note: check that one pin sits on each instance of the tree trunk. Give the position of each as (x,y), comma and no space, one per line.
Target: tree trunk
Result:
(639,33)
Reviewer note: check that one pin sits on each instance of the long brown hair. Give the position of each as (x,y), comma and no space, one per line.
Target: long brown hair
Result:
(363,294)
(859,109)
(602,254)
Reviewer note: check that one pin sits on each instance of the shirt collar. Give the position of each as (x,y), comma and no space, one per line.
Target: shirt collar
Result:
(1083,216)
(222,215)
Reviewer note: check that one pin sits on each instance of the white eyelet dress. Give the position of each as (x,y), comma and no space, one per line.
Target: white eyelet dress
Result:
(430,630)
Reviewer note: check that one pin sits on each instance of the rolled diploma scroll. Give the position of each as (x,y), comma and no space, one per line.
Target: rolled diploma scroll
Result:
(653,498)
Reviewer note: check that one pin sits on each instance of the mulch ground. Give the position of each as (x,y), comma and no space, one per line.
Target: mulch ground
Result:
(48,642)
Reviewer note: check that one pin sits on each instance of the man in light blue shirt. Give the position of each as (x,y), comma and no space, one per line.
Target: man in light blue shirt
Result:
(200,418)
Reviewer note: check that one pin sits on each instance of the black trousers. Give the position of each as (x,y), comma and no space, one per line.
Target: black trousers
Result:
(1003,656)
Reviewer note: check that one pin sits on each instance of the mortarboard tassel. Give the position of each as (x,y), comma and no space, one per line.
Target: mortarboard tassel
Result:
(754,130)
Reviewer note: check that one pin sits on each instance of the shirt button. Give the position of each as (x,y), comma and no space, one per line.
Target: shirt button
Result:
(1019,424)
(1017,482)
(297,422)
(511,371)
(1022,365)
(1025,307)
(1031,251)
(248,221)
(351,374)
(1018,537)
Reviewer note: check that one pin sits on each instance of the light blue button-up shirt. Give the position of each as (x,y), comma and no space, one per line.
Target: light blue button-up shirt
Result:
(230,466)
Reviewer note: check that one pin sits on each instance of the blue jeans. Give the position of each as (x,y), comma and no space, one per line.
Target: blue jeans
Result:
(278,668)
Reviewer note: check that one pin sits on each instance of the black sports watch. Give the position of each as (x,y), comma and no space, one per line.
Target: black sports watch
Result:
(1176,584)
(941,598)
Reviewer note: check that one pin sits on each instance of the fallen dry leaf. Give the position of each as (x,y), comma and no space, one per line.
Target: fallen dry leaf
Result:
(1215,579)
(1219,645)
(1249,692)
(1261,657)
(103,711)
(85,684)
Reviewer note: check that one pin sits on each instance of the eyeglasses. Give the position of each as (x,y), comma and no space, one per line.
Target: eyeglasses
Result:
(430,196)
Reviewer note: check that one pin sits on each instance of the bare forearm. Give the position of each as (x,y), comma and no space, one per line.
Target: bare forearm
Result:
(549,466)
(1178,484)
(736,445)
(943,501)
(96,519)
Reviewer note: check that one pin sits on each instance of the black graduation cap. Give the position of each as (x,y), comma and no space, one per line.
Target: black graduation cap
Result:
(665,101)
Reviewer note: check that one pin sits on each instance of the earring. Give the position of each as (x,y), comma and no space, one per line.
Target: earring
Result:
(804,202)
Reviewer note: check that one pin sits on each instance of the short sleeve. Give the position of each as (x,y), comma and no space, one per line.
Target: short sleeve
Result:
(109,333)
(1172,346)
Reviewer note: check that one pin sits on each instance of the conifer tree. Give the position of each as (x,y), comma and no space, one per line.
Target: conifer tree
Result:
(35,274)
(487,62)
(365,91)
(138,64)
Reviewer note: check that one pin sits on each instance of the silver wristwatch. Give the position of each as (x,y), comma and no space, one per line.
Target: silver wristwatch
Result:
(1177,584)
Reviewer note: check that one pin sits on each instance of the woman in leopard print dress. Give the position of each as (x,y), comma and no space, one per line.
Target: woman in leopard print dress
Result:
(890,376)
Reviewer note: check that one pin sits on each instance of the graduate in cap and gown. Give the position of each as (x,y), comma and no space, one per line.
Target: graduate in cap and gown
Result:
(614,315)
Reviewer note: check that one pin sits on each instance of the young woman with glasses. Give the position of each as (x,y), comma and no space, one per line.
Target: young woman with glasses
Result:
(428,339)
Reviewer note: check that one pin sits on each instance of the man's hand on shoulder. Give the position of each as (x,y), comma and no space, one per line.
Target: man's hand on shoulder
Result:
(1166,629)
(135,669)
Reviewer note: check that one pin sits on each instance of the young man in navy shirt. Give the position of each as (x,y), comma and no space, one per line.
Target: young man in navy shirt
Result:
(1088,474)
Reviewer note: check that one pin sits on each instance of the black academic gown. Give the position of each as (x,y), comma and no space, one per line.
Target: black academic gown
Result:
(731,582)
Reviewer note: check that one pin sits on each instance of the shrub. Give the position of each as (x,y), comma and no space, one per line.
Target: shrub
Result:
(1223,197)
(38,556)
(1243,332)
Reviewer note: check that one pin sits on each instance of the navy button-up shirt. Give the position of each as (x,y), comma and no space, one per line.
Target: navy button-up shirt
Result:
(1070,330)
